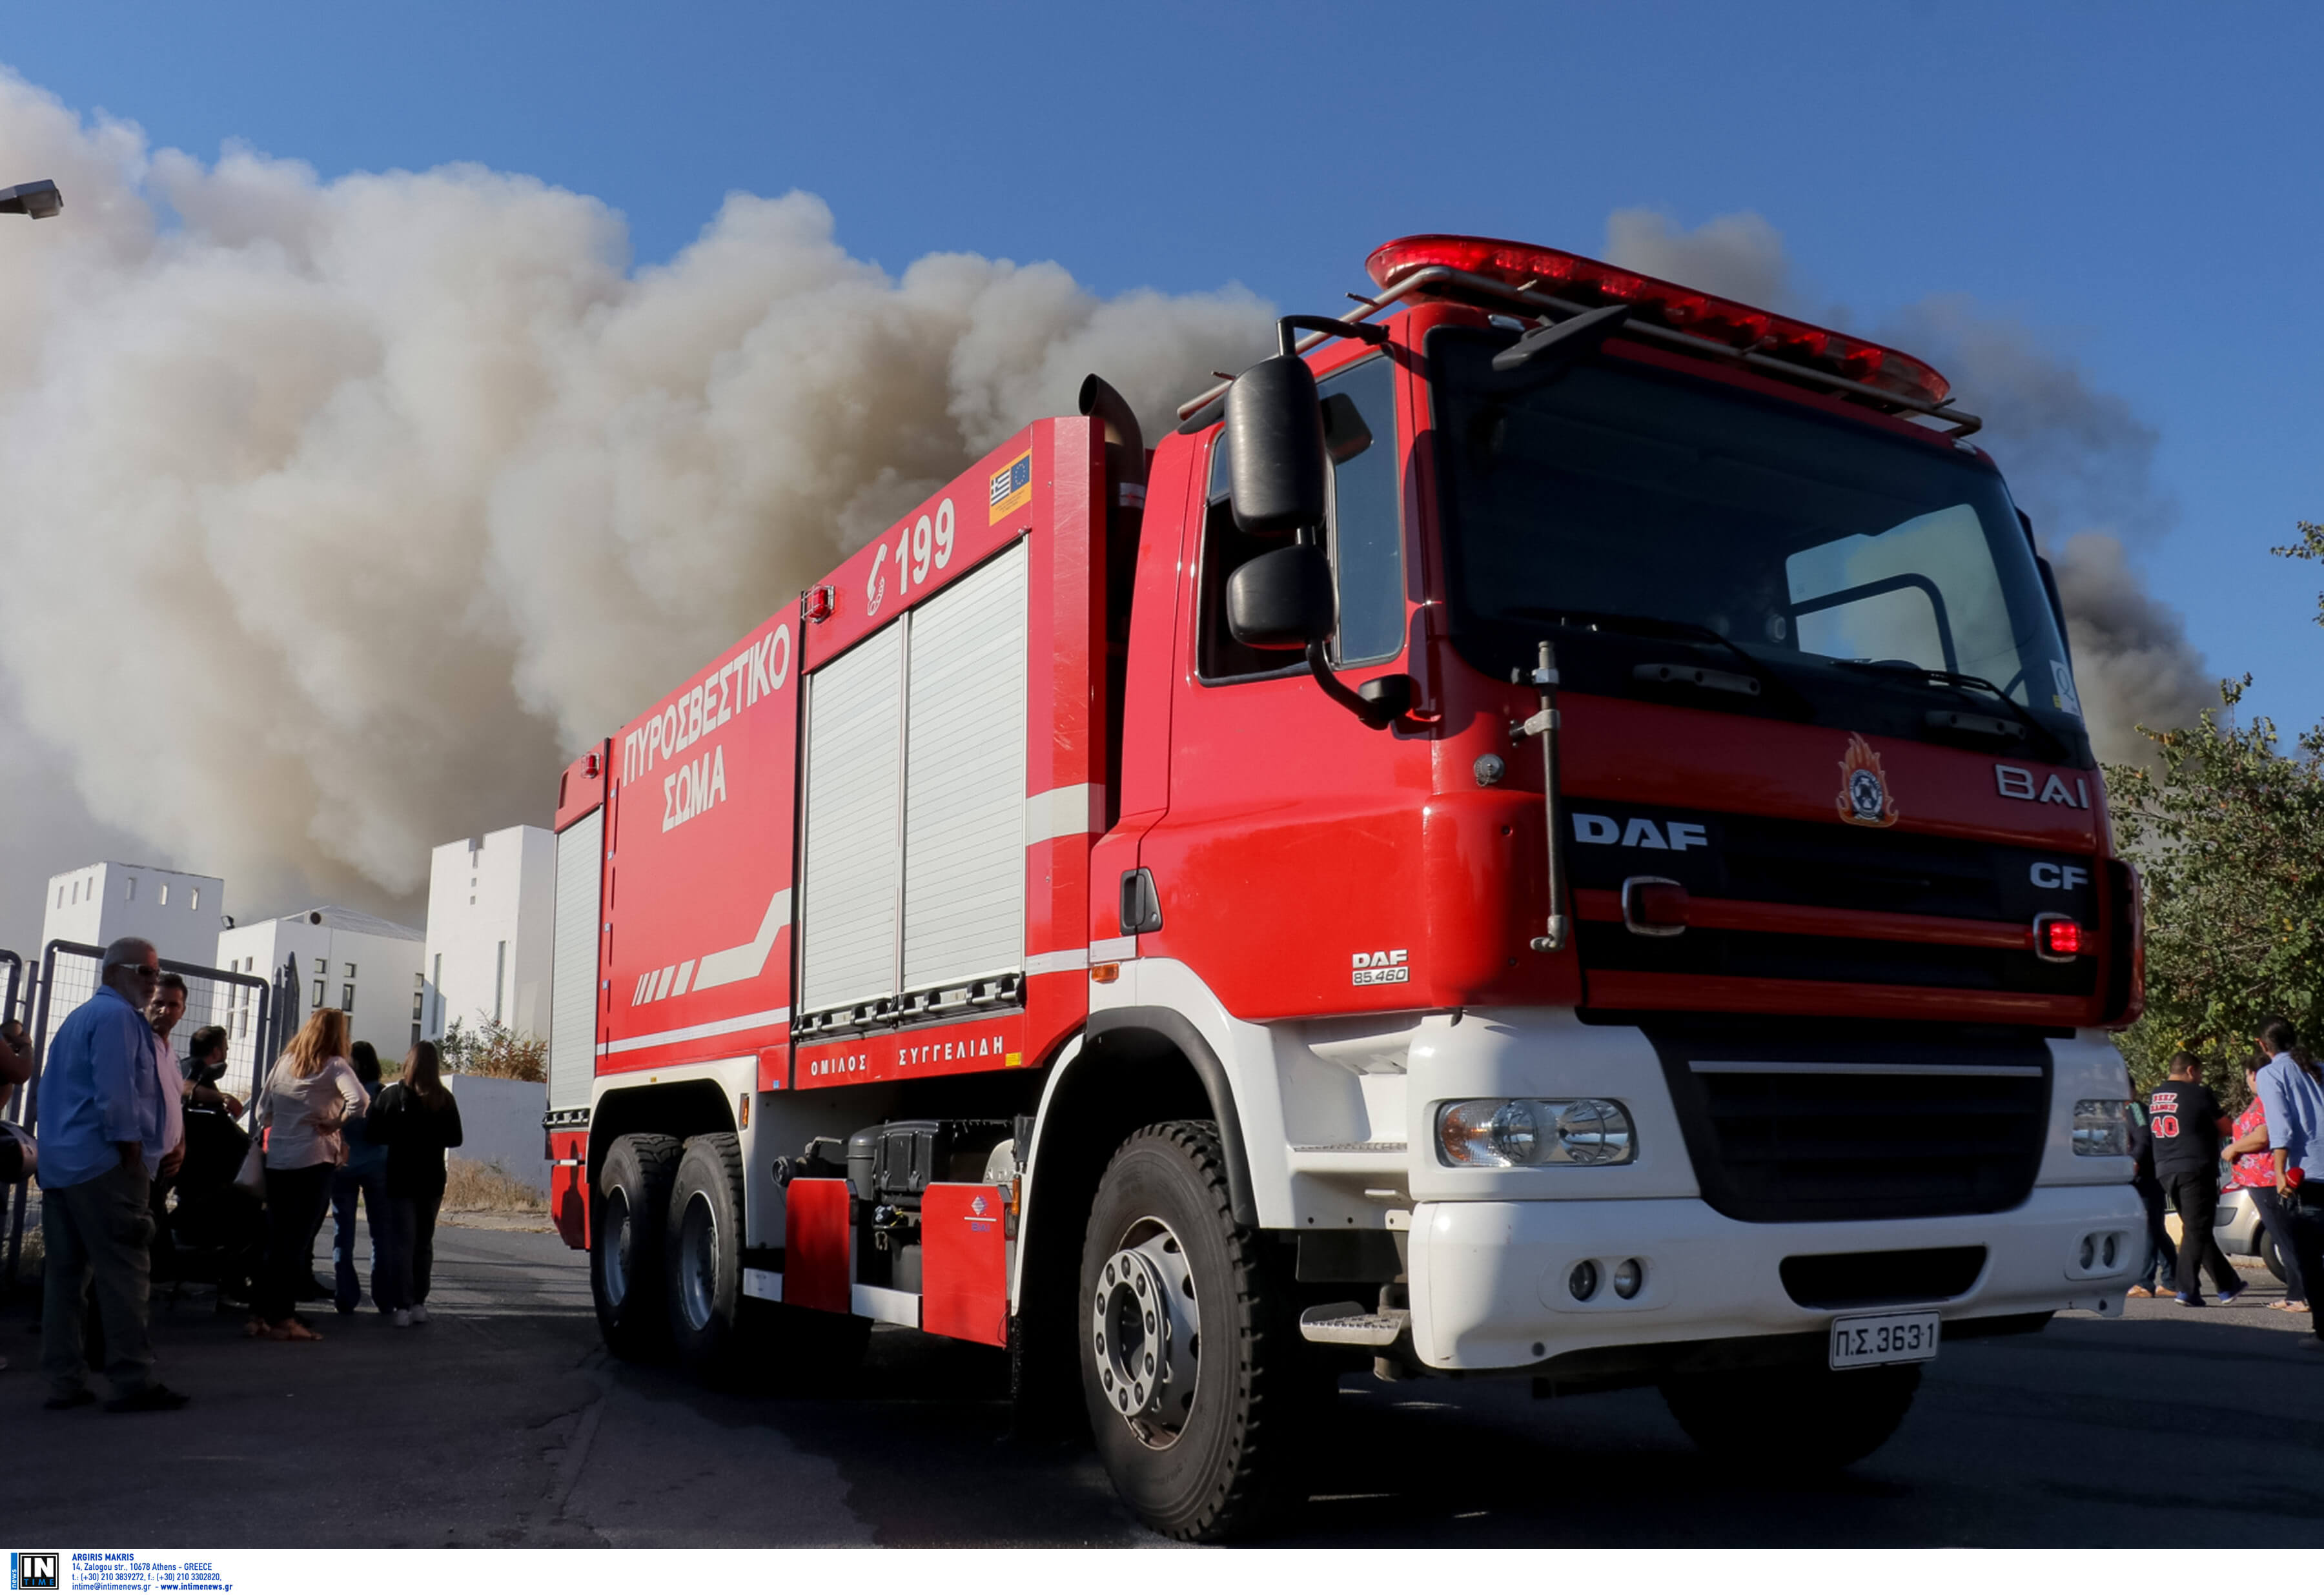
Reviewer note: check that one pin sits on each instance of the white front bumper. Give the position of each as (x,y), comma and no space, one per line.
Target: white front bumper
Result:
(1489,1290)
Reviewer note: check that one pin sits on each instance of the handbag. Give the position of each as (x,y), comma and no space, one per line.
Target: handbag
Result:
(252,1176)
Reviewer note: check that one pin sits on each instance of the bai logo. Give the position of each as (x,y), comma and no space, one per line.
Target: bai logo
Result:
(1381,969)
(2012,780)
(33,1570)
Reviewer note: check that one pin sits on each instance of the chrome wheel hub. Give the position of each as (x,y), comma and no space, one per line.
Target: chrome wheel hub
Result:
(614,1246)
(698,1263)
(1146,1331)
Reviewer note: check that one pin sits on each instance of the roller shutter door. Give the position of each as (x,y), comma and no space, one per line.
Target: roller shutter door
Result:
(853,866)
(965,774)
(573,965)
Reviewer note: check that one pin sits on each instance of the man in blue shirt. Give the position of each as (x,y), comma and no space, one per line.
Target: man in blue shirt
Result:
(2291,1096)
(102,1123)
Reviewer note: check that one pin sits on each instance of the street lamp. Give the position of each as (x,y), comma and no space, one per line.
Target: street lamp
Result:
(36,200)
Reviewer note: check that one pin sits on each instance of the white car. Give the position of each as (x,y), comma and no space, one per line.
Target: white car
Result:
(2238,1232)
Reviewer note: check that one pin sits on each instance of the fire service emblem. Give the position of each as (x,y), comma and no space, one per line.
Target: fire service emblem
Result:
(1864,797)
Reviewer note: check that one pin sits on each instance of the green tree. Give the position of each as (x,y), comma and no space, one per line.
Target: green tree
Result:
(2229,831)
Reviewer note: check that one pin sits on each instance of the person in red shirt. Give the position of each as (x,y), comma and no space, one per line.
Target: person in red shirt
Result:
(2255,1171)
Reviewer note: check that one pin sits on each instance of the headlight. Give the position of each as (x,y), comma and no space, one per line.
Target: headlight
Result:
(2101,1129)
(1521,1132)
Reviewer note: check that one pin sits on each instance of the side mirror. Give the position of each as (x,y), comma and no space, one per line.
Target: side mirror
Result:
(1275,449)
(1283,599)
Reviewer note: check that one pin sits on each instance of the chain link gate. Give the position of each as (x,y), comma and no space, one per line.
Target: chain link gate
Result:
(258,1013)
(11,1111)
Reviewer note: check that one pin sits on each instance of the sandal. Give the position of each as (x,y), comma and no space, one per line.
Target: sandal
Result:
(2289,1307)
(290,1329)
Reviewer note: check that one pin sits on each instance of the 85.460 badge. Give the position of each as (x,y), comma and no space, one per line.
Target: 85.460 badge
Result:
(1864,799)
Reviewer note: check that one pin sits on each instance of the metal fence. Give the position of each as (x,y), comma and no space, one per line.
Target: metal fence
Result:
(13,1105)
(258,1014)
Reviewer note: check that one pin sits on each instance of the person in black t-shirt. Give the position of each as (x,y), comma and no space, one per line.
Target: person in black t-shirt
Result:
(2187,1125)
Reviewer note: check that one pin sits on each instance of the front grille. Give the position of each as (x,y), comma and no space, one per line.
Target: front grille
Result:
(1882,1278)
(1838,866)
(1858,961)
(1755,859)
(1792,1123)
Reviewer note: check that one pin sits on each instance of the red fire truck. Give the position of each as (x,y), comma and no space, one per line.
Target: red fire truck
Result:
(1545,829)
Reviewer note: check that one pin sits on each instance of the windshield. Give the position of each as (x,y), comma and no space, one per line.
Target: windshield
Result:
(1812,544)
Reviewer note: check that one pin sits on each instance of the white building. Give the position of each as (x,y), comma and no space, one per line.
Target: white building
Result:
(491,911)
(366,965)
(179,913)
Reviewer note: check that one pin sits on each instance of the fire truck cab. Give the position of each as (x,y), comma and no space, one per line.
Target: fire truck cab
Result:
(1544,829)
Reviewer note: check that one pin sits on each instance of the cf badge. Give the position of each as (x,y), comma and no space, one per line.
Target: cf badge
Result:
(1864,797)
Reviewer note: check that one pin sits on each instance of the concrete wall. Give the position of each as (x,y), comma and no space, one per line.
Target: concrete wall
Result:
(179,913)
(492,908)
(499,1123)
(385,965)
(383,971)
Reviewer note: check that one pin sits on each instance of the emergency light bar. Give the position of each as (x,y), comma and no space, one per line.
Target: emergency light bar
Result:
(1579,279)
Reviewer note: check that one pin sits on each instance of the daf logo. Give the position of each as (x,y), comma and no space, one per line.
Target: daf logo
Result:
(1600,830)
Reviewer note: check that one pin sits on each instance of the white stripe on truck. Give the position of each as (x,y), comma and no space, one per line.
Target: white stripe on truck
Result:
(1064,811)
(748,1021)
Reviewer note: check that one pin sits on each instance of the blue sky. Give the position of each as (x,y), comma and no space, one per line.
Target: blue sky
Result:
(2136,185)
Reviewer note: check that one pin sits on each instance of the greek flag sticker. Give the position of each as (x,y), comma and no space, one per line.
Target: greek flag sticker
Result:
(1012,487)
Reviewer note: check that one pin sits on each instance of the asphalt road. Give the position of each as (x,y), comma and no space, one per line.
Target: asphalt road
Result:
(503,1423)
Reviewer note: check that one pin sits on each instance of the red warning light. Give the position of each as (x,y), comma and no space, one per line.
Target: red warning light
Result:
(1706,315)
(2061,938)
(821,602)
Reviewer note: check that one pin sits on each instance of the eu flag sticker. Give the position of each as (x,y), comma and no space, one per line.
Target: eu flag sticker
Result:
(1012,487)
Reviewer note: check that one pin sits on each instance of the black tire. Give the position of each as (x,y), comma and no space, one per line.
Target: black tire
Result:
(625,1244)
(723,1336)
(1225,1462)
(1793,1420)
(2269,1255)
(702,1258)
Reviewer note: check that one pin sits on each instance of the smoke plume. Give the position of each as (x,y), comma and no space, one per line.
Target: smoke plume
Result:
(338,512)
(2079,462)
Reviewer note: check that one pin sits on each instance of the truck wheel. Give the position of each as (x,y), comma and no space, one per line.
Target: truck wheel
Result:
(2269,1255)
(1803,1420)
(1192,1366)
(625,1269)
(703,1254)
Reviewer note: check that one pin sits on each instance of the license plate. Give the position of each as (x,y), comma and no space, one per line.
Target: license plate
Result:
(1875,1338)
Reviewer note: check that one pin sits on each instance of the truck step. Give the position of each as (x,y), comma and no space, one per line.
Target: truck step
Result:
(1348,1324)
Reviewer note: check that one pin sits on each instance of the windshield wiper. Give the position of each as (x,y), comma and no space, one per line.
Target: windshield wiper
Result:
(2020,723)
(1648,625)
